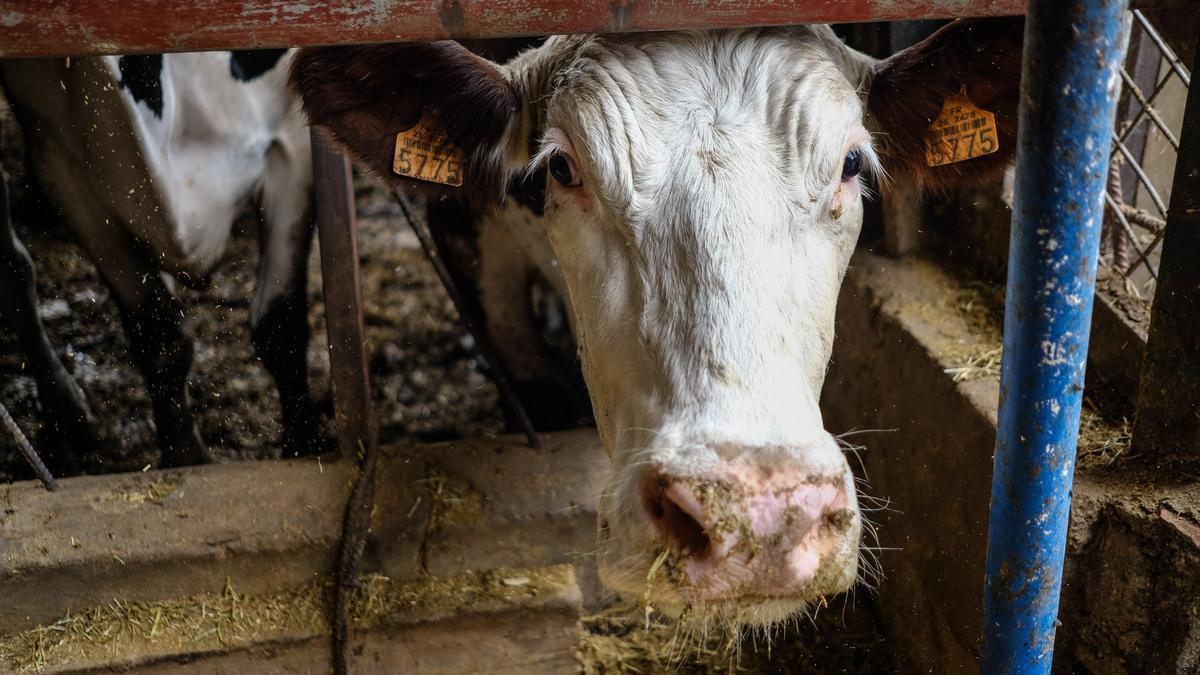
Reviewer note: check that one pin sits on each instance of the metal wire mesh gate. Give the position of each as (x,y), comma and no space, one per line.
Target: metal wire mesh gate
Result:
(1145,148)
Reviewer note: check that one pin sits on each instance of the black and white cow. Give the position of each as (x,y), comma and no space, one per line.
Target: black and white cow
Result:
(150,159)
(703,200)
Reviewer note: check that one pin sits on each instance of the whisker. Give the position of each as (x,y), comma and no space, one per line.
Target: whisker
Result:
(856,432)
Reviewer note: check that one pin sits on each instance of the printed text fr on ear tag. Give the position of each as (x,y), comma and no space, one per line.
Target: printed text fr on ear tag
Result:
(962,131)
(424,152)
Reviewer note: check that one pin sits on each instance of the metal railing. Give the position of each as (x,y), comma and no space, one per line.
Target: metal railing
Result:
(1145,148)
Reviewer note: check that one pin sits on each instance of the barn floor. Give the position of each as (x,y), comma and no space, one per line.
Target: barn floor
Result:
(427,387)
(843,638)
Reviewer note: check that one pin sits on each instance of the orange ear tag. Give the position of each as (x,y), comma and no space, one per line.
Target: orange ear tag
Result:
(424,152)
(962,131)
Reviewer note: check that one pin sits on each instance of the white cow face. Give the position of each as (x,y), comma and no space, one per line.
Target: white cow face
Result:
(704,201)
(704,198)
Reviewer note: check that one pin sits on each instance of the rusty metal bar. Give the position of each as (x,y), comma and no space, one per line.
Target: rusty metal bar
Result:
(474,321)
(26,448)
(354,417)
(81,27)
(1141,174)
(343,296)
(1168,53)
(1168,418)
(1123,220)
(41,28)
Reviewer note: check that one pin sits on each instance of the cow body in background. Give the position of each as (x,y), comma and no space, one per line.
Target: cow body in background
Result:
(504,267)
(702,202)
(150,159)
(506,272)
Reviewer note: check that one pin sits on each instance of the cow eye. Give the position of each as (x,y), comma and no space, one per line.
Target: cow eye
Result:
(562,167)
(852,165)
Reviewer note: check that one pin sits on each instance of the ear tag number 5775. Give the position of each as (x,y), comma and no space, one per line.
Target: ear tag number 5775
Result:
(424,152)
(962,131)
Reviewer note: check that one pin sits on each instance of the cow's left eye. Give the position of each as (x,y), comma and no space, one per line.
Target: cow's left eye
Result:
(852,165)
(562,167)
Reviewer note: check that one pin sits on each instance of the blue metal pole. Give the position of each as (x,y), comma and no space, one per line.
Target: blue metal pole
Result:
(1070,86)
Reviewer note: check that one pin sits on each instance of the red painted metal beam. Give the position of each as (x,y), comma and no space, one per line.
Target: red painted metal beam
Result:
(80,27)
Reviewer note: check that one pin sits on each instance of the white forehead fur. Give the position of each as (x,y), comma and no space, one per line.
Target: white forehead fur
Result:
(626,101)
(712,164)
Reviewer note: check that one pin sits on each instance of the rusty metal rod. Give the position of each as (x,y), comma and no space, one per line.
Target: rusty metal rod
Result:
(475,324)
(354,417)
(31,456)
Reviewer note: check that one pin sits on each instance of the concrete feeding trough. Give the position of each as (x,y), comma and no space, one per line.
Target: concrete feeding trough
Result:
(224,568)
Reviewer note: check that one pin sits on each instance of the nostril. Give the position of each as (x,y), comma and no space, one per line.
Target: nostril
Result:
(682,530)
(839,521)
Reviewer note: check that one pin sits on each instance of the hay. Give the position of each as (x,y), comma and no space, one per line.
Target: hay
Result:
(119,631)
(834,640)
(616,641)
(978,357)
(969,319)
(981,306)
(981,364)
(152,493)
(201,622)
(1101,442)
(452,501)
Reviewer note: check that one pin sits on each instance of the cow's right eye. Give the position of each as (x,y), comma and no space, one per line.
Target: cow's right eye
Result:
(562,167)
(852,165)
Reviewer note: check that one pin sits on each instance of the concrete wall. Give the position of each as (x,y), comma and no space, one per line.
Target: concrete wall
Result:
(446,523)
(896,334)
(1131,598)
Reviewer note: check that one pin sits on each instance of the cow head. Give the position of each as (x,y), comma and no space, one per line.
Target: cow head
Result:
(704,195)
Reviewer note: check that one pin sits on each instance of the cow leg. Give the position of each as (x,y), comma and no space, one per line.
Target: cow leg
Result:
(163,352)
(68,423)
(153,322)
(279,308)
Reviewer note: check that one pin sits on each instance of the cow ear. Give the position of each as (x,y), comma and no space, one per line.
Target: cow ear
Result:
(365,94)
(979,58)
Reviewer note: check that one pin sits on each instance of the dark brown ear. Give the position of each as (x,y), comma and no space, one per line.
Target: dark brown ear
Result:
(365,94)
(909,89)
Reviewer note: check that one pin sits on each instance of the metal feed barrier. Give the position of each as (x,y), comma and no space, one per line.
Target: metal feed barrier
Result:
(1073,54)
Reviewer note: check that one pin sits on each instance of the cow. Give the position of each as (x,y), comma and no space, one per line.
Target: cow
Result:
(150,159)
(703,195)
